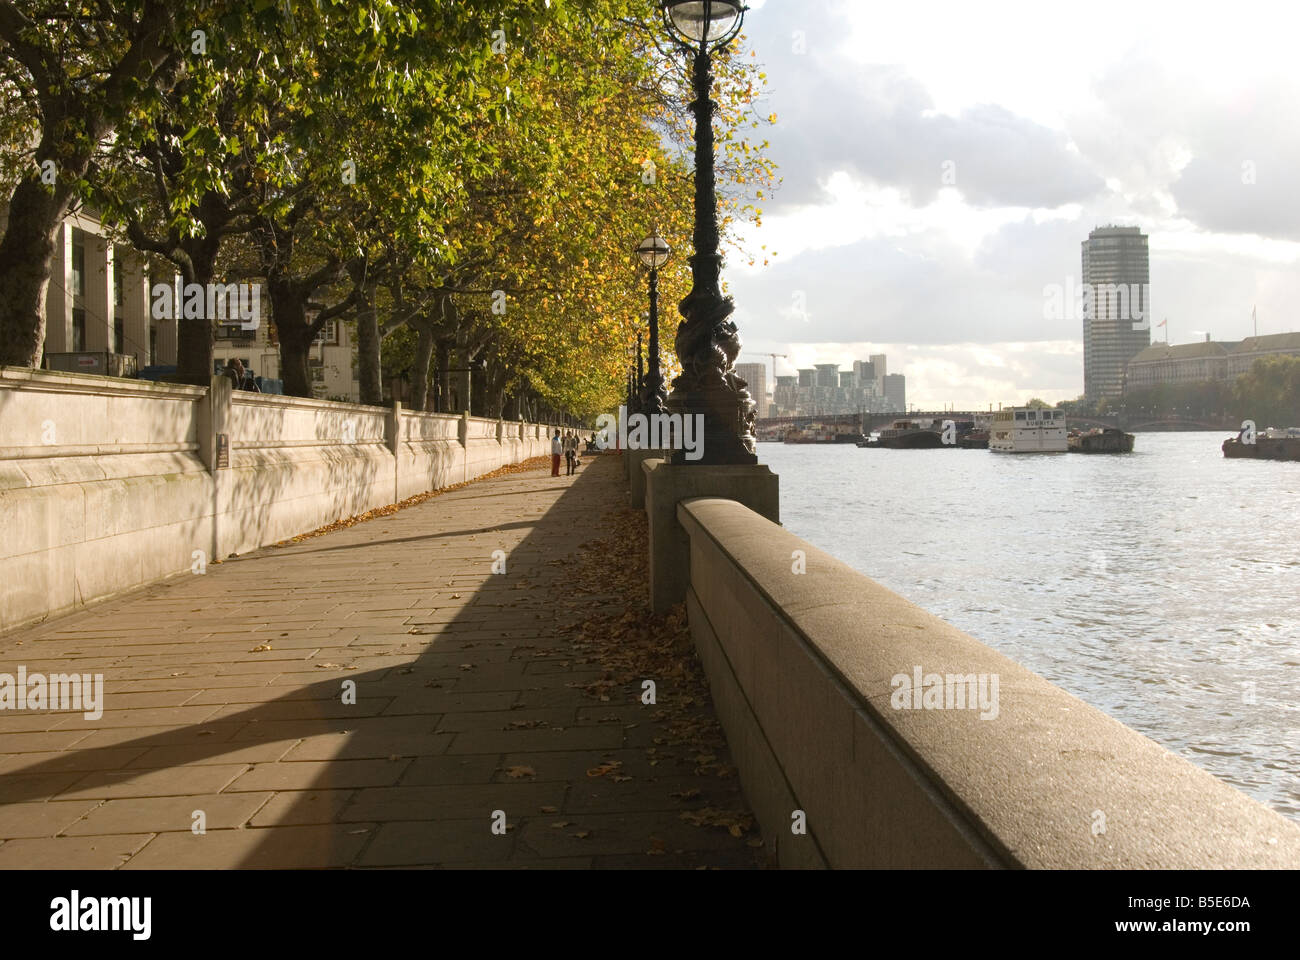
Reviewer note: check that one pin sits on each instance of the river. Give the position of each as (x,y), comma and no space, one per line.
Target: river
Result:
(1162,587)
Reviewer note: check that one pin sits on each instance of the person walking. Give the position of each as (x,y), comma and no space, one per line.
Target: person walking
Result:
(557,448)
(234,372)
(570,451)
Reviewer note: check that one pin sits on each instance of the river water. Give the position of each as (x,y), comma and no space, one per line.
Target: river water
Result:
(1162,587)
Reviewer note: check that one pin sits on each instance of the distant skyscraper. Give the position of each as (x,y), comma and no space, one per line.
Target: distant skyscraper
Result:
(825,390)
(865,372)
(828,374)
(755,374)
(895,391)
(879,368)
(1116,281)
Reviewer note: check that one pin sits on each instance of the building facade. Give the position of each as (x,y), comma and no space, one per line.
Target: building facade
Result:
(100,317)
(826,390)
(1162,363)
(755,375)
(1116,307)
(895,392)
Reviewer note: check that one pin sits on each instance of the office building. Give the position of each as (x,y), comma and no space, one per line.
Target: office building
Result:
(1162,363)
(1116,307)
(895,392)
(755,375)
(826,390)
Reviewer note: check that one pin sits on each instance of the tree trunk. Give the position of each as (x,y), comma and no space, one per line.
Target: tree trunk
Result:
(368,352)
(443,396)
(26,258)
(289,312)
(195,336)
(420,394)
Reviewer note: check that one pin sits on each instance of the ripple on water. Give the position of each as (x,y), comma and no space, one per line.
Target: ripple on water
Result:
(1152,586)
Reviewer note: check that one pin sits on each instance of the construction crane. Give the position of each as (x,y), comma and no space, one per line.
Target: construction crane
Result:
(783,356)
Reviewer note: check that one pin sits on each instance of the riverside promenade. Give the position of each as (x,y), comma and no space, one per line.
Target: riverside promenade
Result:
(375,695)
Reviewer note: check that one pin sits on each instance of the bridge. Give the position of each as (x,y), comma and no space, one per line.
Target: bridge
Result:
(775,428)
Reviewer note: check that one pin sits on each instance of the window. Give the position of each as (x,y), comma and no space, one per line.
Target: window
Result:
(78,329)
(118,297)
(329,333)
(78,264)
(119,333)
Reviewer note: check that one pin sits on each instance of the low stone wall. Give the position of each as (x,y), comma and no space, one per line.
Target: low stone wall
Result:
(984,764)
(107,485)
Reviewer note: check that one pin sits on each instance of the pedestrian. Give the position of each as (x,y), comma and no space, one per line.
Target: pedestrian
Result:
(570,452)
(234,372)
(557,448)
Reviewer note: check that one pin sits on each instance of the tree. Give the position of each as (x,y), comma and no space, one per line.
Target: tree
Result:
(72,72)
(1269,393)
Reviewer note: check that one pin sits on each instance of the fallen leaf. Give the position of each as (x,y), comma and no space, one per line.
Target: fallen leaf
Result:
(517,772)
(608,766)
(260,648)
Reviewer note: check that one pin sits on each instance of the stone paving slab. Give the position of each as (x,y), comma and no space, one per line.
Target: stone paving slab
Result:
(373,696)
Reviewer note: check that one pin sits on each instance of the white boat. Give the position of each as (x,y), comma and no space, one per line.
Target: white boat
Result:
(1027,430)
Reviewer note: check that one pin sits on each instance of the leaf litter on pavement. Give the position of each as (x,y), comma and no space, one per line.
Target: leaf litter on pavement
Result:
(601,607)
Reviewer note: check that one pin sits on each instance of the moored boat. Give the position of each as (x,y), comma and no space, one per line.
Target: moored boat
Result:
(1270,444)
(911,435)
(1028,430)
(1105,440)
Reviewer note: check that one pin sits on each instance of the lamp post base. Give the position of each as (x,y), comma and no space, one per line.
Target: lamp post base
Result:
(666,485)
(727,436)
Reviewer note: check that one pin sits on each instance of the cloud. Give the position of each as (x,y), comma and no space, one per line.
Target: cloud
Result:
(878,123)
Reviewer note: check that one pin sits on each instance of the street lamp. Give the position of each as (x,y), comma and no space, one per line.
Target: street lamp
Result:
(707,342)
(654,252)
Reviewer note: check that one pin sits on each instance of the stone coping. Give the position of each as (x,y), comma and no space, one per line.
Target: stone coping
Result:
(1029,780)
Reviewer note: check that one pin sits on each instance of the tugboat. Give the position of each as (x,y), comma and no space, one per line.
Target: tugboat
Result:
(1028,430)
(1105,440)
(1271,444)
(977,436)
(911,435)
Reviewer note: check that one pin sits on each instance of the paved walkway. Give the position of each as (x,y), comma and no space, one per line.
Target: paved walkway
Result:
(475,692)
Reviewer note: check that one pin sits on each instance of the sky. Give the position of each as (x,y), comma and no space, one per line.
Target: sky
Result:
(942,162)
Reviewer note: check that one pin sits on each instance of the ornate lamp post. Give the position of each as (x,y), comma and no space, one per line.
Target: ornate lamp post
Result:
(640,374)
(654,253)
(707,342)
